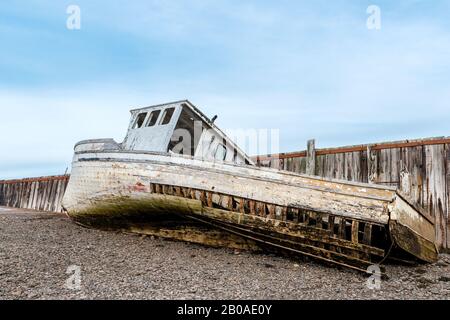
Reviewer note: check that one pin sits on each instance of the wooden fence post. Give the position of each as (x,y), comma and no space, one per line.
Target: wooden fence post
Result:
(311,158)
(371,165)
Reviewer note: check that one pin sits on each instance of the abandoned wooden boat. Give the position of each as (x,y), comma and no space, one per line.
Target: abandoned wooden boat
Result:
(215,195)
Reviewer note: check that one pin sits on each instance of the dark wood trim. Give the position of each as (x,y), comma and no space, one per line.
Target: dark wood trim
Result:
(357,148)
(39,179)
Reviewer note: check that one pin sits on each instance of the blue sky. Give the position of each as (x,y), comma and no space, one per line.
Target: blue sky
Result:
(309,68)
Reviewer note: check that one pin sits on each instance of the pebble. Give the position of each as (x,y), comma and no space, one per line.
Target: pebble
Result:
(442,263)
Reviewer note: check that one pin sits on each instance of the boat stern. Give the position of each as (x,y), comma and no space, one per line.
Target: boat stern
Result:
(412,229)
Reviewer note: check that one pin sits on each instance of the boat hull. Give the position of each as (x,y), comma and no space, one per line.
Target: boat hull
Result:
(235,206)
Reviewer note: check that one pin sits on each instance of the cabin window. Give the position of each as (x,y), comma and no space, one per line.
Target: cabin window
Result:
(167,116)
(140,120)
(153,118)
(221,152)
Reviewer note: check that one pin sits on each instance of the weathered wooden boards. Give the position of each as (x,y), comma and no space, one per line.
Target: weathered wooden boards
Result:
(43,193)
(447,151)
(111,171)
(435,195)
(419,168)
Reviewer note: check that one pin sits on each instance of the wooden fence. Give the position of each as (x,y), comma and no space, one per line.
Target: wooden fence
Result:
(419,168)
(43,193)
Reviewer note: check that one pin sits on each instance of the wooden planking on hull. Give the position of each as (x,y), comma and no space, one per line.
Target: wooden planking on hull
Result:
(296,247)
(309,235)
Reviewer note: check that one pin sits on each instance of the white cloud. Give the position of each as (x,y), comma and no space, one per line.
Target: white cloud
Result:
(311,71)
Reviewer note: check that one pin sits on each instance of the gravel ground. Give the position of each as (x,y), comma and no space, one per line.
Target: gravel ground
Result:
(36,250)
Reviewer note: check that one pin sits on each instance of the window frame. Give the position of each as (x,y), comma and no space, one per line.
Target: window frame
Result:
(138,117)
(163,117)
(224,148)
(158,113)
